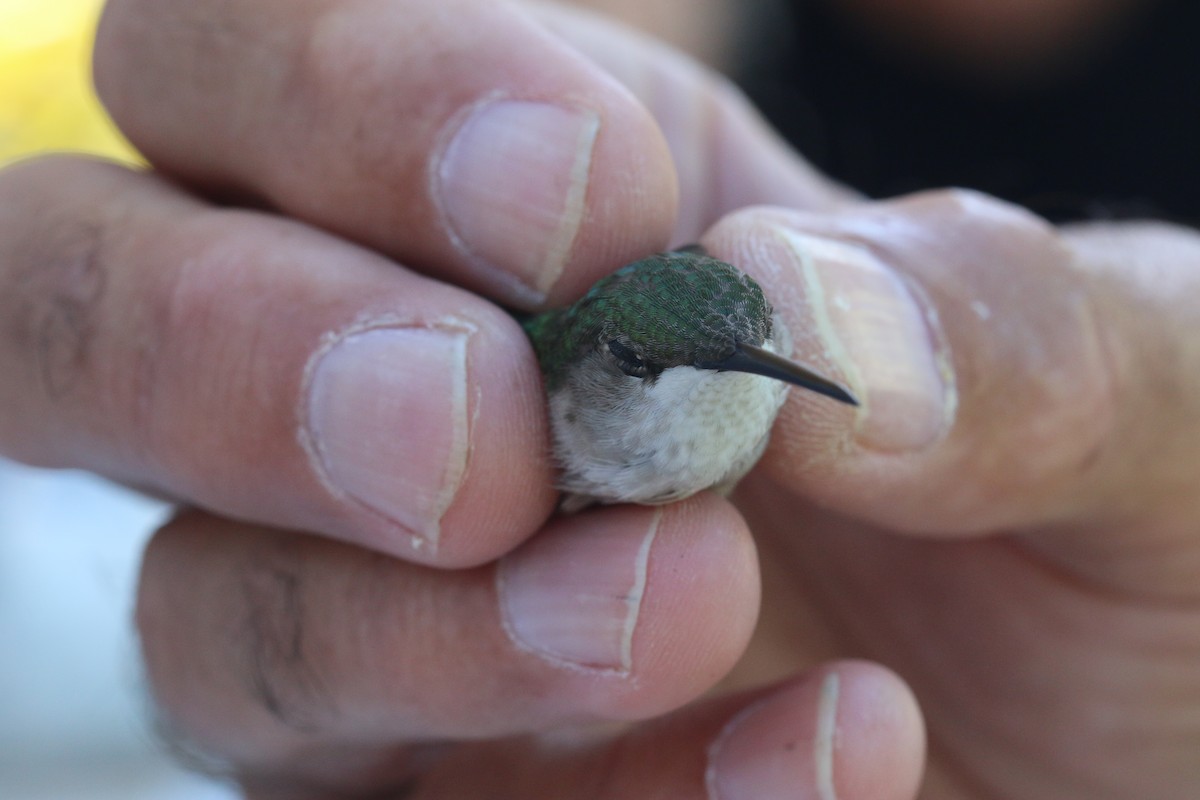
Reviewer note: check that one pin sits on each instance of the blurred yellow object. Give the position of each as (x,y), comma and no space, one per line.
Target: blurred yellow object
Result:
(46,96)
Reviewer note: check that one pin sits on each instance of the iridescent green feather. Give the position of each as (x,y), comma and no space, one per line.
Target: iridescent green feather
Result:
(675,308)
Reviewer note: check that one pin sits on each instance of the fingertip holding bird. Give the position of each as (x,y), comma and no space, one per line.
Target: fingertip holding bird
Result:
(359,384)
(660,601)
(971,334)
(396,413)
(544,149)
(879,329)
(574,599)
(850,313)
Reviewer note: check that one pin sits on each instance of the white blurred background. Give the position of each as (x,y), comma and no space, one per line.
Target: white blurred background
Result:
(74,716)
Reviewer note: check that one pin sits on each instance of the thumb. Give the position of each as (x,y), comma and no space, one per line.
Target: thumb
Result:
(1013,376)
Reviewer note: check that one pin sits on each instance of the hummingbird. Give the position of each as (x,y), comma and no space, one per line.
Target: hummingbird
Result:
(664,380)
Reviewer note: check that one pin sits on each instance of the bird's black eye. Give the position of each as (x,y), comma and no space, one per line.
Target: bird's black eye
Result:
(628,360)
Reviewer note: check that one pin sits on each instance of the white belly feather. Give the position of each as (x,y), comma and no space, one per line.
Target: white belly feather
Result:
(689,430)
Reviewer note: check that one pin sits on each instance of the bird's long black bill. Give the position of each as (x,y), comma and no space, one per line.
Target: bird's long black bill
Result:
(757,361)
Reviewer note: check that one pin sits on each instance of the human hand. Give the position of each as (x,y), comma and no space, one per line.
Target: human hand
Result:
(1010,521)
(320,669)
(282,375)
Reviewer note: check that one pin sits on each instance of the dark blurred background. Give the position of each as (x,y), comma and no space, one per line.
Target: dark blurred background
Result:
(1109,130)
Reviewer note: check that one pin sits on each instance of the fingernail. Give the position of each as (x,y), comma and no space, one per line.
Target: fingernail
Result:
(512,185)
(782,747)
(871,327)
(574,598)
(387,422)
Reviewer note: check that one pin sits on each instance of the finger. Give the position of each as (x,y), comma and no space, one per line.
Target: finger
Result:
(1004,383)
(261,369)
(848,730)
(271,648)
(726,155)
(457,136)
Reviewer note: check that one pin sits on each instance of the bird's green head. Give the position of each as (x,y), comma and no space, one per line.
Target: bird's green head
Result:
(682,308)
(672,310)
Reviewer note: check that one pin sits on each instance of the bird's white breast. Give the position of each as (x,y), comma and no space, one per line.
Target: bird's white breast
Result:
(652,442)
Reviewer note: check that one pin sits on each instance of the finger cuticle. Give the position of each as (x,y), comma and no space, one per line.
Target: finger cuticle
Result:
(574,598)
(385,421)
(875,331)
(512,185)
